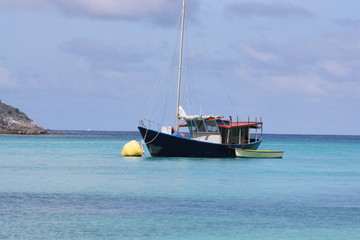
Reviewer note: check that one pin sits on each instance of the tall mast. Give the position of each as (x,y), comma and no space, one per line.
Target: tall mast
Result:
(180,64)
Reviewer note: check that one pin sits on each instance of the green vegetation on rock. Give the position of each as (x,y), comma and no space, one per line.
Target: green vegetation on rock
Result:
(13,121)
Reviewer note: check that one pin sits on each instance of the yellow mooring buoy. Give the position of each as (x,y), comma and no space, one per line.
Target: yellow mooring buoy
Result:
(132,148)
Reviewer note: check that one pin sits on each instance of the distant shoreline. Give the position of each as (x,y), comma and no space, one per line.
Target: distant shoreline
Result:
(127,132)
(25,131)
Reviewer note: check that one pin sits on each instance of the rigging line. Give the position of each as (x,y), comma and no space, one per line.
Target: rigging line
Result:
(162,78)
(189,96)
(172,81)
(153,138)
(216,70)
(155,93)
(165,101)
(143,141)
(145,136)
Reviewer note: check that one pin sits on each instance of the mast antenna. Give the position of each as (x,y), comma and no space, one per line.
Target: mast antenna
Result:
(180,65)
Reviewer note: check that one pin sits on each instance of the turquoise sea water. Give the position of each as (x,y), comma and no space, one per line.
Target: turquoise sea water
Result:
(77,186)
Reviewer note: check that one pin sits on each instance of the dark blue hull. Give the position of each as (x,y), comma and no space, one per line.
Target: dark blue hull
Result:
(166,145)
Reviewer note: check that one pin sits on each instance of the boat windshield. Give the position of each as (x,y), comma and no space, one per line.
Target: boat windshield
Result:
(200,125)
(191,125)
(211,126)
(203,126)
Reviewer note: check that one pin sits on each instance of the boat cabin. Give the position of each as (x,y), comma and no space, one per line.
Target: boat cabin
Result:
(217,130)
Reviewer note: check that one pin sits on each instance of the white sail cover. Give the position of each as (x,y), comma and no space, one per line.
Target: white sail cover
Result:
(184,116)
(182,113)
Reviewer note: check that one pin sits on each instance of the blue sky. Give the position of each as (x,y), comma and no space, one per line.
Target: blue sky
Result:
(96,64)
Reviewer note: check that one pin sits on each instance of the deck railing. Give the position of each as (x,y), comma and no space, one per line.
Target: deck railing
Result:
(148,124)
(255,135)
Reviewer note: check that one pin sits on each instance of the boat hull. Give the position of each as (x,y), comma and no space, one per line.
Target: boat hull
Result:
(246,153)
(166,145)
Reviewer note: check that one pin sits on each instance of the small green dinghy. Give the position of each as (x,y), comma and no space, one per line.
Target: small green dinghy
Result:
(247,153)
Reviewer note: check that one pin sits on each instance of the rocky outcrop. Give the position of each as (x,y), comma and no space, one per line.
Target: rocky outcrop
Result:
(13,121)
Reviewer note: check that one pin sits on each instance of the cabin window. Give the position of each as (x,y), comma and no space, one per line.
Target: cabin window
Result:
(245,133)
(211,126)
(191,125)
(200,125)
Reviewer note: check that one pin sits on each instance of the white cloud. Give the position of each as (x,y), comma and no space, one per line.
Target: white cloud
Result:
(348,22)
(38,5)
(310,85)
(334,68)
(321,68)
(7,80)
(103,56)
(164,12)
(114,74)
(111,8)
(256,54)
(272,10)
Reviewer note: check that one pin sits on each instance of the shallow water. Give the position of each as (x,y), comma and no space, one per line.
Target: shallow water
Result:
(77,186)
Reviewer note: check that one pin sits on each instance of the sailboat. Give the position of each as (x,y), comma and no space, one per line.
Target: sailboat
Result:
(208,136)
